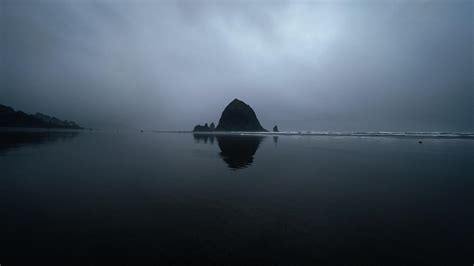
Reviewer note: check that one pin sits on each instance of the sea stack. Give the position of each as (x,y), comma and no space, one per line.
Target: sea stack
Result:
(275,129)
(239,116)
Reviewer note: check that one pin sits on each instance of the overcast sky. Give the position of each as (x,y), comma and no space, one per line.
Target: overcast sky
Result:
(303,65)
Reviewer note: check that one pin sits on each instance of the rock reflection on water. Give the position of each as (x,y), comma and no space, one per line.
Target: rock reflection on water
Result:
(204,138)
(236,150)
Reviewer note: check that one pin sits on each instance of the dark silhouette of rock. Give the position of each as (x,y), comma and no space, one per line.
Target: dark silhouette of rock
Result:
(11,118)
(199,128)
(205,128)
(238,116)
(54,121)
(275,129)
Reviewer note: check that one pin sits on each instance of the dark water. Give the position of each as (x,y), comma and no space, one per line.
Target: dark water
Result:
(132,197)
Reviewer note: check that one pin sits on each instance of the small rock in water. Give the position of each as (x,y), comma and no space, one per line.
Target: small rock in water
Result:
(201,128)
(420,141)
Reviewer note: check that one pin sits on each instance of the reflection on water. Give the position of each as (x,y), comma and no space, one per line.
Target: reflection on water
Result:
(313,200)
(236,150)
(204,138)
(11,139)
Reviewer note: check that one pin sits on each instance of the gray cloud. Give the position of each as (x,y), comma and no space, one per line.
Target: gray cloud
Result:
(339,65)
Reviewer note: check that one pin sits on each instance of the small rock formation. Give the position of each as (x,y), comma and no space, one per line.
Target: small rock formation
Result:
(275,129)
(238,116)
(212,127)
(199,128)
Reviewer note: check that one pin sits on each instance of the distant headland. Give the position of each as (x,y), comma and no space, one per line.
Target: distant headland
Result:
(11,118)
(237,116)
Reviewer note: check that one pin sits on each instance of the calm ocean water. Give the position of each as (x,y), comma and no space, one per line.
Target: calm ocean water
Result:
(179,197)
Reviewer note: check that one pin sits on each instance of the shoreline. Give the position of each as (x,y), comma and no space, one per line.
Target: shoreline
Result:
(425,135)
(409,135)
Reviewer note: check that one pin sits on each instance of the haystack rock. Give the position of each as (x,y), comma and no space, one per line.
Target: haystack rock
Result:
(239,116)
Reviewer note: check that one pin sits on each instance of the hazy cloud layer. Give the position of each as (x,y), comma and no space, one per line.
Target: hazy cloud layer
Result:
(331,65)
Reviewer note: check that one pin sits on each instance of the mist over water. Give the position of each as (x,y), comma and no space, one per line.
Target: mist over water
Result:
(371,164)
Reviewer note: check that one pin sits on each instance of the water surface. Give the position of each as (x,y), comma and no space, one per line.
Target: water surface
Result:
(253,198)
